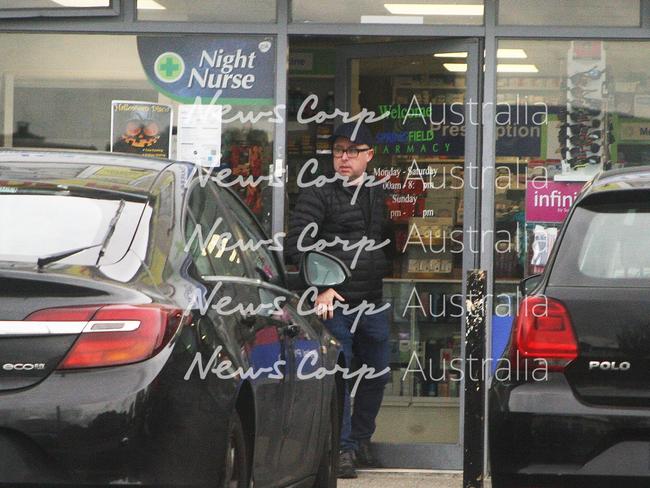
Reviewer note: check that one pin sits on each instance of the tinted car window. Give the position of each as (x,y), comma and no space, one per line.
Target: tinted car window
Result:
(163,223)
(607,243)
(263,258)
(39,225)
(211,239)
(199,255)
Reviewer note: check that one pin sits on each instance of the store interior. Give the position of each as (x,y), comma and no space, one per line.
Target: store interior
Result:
(565,111)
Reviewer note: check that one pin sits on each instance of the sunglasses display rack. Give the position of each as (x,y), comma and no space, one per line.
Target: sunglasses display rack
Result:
(583,129)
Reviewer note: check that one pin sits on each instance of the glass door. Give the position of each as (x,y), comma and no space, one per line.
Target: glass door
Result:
(426,143)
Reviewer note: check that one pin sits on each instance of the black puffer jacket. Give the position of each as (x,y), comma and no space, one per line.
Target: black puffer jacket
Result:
(330,208)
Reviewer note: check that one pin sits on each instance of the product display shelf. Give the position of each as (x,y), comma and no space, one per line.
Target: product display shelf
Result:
(430,329)
(527,89)
(507,281)
(422,280)
(436,88)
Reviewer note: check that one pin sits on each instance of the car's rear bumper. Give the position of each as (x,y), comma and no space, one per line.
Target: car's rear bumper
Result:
(140,424)
(541,429)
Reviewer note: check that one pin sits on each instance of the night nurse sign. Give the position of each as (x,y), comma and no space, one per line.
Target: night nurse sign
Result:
(236,70)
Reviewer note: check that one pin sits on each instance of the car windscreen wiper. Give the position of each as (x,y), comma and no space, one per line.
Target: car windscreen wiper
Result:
(110,231)
(52,258)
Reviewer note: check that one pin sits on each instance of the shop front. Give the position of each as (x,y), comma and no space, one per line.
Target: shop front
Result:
(488,117)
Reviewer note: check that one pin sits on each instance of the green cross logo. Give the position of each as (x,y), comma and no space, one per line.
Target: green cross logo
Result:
(169,67)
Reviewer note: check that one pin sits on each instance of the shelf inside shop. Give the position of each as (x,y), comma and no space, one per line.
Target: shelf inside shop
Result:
(433,277)
(528,89)
(397,401)
(440,88)
(504,281)
(420,85)
(422,280)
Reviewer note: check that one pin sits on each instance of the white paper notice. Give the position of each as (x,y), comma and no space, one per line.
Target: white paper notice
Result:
(199,134)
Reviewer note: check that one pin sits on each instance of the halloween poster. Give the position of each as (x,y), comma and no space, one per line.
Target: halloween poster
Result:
(142,128)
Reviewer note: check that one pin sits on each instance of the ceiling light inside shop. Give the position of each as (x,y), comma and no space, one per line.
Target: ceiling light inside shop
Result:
(517,68)
(83,3)
(150,5)
(501,68)
(455,67)
(511,54)
(433,9)
(501,53)
(450,55)
(392,19)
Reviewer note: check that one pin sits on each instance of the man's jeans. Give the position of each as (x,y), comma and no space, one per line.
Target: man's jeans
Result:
(370,347)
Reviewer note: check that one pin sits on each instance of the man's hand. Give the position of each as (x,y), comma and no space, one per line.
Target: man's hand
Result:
(325,303)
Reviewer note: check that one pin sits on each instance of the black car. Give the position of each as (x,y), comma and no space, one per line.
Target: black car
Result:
(141,343)
(586,321)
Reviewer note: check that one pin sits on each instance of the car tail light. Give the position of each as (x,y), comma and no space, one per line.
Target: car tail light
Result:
(543,331)
(115,334)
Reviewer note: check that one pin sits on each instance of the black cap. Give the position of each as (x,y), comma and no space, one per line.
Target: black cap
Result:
(361,133)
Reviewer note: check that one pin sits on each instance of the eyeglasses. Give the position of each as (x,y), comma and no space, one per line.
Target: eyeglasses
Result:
(352,152)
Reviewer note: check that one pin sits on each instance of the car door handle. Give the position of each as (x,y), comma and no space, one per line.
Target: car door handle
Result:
(291,330)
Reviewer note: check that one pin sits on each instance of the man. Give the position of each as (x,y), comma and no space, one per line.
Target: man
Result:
(338,213)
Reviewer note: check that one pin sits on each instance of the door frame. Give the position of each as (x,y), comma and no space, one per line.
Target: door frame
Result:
(435,456)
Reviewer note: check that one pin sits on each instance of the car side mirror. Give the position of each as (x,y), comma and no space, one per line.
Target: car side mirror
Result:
(527,285)
(321,269)
(318,269)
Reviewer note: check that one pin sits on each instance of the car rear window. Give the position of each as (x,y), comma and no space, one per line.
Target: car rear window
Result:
(39,225)
(607,243)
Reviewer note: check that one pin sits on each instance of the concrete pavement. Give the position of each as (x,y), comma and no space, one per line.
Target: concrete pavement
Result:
(378,478)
